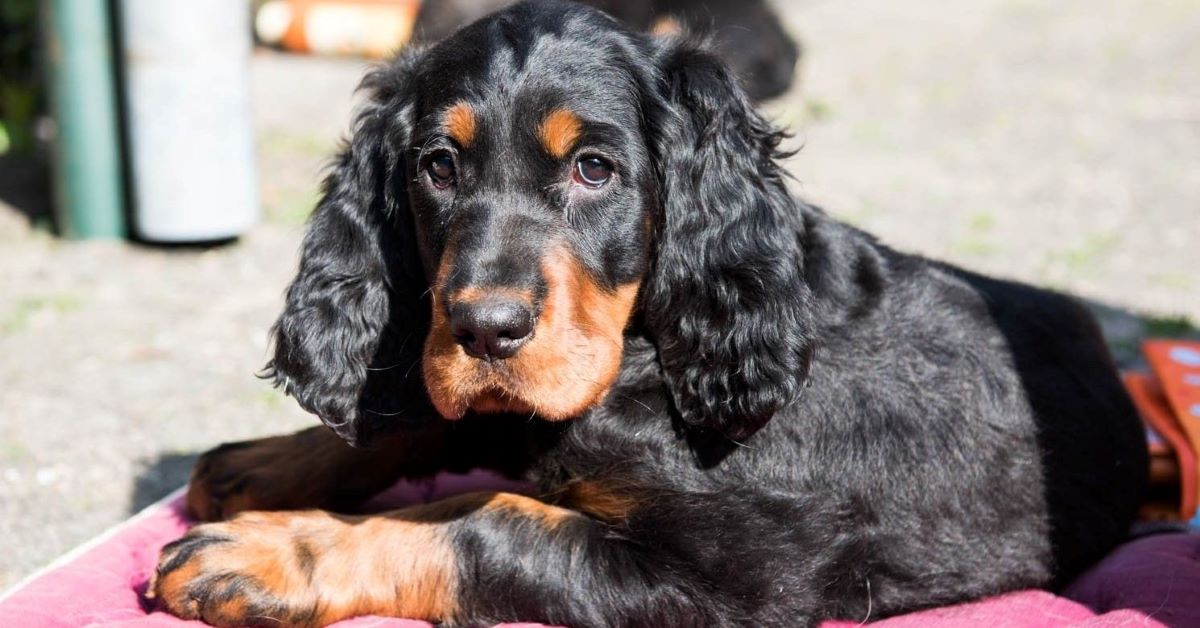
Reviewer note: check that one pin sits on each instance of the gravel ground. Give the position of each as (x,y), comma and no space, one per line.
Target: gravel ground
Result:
(1054,142)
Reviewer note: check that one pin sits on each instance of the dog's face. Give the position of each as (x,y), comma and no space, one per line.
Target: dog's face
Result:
(532,195)
(517,197)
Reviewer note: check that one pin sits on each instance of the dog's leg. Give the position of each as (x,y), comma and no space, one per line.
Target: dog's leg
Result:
(475,559)
(312,468)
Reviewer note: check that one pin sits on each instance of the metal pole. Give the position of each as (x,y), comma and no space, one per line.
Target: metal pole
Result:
(87,167)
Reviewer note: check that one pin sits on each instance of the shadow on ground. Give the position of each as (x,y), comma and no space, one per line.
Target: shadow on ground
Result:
(25,186)
(160,476)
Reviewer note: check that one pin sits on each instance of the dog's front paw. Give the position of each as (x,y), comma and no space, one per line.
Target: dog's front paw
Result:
(254,570)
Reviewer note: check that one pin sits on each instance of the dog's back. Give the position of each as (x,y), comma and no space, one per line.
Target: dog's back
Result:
(1092,444)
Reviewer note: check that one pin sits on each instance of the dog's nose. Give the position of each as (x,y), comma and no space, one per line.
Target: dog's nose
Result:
(492,328)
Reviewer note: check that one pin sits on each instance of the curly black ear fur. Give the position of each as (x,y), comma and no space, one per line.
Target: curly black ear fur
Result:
(349,338)
(726,299)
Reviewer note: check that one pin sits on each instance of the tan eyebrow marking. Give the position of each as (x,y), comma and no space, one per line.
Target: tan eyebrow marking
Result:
(560,130)
(459,121)
(666,26)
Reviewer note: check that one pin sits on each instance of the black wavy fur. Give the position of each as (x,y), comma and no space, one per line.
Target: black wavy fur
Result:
(732,323)
(808,423)
(350,336)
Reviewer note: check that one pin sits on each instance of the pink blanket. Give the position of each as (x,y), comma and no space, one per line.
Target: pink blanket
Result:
(103,582)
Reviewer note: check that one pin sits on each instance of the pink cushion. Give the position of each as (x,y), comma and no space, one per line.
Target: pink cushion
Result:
(1158,575)
(1023,609)
(102,583)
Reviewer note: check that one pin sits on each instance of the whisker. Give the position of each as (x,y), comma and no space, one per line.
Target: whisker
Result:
(410,368)
(382,368)
(378,413)
(869,604)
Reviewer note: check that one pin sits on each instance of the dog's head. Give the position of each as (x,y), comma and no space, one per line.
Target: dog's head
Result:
(514,199)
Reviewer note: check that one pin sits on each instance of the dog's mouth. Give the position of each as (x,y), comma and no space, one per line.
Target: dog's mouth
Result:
(552,380)
(498,395)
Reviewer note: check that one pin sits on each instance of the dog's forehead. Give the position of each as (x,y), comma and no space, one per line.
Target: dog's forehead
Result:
(530,65)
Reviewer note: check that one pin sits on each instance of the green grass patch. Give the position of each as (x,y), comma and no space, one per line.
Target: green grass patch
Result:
(13,452)
(973,246)
(1083,260)
(1170,327)
(981,222)
(1096,246)
(817,110)
(271,397)
(290,208)
(18,318)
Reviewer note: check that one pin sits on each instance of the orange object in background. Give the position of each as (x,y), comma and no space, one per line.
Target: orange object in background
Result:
(372,28)
(1156,412)
(1176,365)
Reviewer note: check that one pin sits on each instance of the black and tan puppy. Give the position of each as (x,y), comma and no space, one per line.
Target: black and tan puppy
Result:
(565,251)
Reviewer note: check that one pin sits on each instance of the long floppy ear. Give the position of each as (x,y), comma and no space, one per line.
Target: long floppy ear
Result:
(726,299)
(349,339)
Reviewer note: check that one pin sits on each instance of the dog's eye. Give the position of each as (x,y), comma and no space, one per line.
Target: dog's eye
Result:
(441,170)
(592,171)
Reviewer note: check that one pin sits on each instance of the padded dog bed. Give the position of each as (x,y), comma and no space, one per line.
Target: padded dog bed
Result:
(1151,582)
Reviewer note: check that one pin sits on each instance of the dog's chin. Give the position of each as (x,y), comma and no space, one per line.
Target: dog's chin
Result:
(498,402)
(487,389)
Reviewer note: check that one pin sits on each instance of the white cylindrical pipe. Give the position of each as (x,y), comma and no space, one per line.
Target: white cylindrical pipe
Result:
(190,135)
